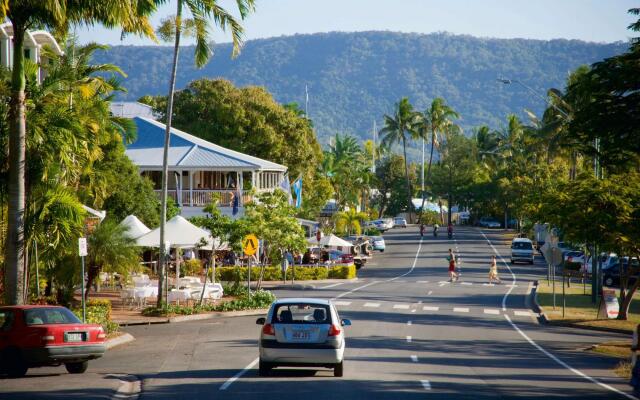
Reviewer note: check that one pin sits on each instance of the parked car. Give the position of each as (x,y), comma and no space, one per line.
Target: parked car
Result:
(36,336)
(338,257)
(399,222)
(606,261)
(302,332)
(575,257)
(522,250)
(489,222)
(611,274)
(381,224)
(378,243)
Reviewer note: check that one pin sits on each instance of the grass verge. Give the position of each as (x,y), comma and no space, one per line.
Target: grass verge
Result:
(579,310)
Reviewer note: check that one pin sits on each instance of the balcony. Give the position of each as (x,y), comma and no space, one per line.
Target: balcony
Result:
(202,197)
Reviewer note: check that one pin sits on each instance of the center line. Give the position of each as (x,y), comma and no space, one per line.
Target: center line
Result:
(239,374)
(408,339)
(426,384)
(414,358)
(460,309)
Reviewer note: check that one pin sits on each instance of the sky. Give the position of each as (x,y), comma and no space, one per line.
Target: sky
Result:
(589,20)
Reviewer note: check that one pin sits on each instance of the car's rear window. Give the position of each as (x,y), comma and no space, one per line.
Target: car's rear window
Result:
(302,313)
(41,316)
(521,246)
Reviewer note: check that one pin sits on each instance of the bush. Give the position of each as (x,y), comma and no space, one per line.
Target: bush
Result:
(191,268)
(234,274)
(98,312)
(259,299)
(371,232)
(343,272)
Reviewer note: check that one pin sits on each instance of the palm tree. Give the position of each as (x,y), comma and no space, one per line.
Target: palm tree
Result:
(201,10)
(110,249)
(395,130)
(58,14)
(349,221)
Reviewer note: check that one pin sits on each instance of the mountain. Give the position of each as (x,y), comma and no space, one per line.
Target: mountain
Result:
(355,78)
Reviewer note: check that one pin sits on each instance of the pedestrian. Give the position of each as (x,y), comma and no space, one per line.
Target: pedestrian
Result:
(493,271)
(452,266)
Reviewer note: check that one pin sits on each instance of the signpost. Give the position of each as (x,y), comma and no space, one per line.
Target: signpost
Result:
(609,306)
(82,251)
(250,248)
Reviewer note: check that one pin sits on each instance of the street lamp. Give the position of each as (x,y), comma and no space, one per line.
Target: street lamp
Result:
(538,95)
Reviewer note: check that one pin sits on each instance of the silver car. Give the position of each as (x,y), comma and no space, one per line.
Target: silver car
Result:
(302,333)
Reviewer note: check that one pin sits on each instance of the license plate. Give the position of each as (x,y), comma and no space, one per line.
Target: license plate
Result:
(301,335)
(75,337)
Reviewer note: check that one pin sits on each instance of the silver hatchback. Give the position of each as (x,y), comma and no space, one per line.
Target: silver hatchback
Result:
(302,333)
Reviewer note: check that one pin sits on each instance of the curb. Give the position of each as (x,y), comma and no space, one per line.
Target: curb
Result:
(120,340)
(218,314)
(546,321)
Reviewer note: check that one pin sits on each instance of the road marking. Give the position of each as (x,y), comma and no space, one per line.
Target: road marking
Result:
(522,313)
(467,283)
(430,291)
(409,323)
(540,348)
(423,282)
(409,339)
(414,358)
(401,281)
(491,311)
(414,310)
(401,306)
(444,282)
(372,305)
(354,290)
(341,303)
(488,284)
(334,285)
(239,374)
(430,308)
(426,384)
(460,309)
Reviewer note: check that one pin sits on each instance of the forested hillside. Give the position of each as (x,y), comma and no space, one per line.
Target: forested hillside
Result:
(354,78)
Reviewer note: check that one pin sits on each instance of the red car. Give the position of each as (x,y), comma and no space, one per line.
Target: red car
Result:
(35,336)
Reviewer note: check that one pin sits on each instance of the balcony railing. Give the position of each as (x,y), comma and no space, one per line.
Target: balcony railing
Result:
(202,197)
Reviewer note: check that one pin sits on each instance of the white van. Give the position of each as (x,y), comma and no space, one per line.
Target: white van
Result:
(522,250)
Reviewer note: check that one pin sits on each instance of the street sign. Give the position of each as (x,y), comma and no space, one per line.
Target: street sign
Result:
(250,244)
(82,247)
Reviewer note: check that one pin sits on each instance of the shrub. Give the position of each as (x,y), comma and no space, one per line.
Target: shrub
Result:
(342,272)
(259,299)
(191,268)
(231,274)
(98,312)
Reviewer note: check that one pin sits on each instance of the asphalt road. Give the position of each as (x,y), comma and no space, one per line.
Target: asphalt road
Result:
(414,336)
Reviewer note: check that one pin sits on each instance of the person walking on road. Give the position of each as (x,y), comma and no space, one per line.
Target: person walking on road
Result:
(493,271)
(452,266)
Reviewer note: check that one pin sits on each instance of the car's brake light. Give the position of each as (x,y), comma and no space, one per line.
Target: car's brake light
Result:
(334,331)
(267,329)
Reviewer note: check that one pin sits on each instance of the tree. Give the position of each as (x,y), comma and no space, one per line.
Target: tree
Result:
(111,250)
(273,221)
(56,14)
(349,221)
(396,128)
(391,184)
(173,28)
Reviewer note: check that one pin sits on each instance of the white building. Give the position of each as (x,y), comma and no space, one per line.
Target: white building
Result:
(199,169)
(34,41)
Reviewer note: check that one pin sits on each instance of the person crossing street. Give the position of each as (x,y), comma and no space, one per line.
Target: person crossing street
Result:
(452,266)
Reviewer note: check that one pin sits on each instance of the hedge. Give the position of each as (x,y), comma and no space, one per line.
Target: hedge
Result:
(259,299)
(230,274)
(98,312)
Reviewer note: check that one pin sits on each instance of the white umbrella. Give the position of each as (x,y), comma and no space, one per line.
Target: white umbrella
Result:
(135,227)
(179,232)
(334,241)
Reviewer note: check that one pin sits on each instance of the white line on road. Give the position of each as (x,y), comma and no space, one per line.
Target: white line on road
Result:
(239,374)
(341,303)
(426,384)
(460,309)
(414,358)
(467,283)
(430,308)
(522,313)
(401,306)
(423,282)
(540,348)
(409,339)
(430,291)
(409,323)
(334,285)
(414,310)
(491,311)
(443,283)
(372,305)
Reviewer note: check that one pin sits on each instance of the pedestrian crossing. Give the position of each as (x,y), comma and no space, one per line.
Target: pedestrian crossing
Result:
(430,309)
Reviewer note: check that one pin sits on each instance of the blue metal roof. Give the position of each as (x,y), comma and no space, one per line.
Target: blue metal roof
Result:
(187,151)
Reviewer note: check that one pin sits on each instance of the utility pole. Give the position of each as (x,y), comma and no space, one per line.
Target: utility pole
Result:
(595,259)
(373,151)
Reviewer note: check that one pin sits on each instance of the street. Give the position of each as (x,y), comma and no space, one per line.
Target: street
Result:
(414,335)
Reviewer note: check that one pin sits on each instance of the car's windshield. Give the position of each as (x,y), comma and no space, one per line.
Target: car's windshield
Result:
(522,246)
(302,313)
(53,315)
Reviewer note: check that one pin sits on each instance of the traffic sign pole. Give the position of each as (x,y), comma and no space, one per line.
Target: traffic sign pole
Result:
(250,247)
(82,250)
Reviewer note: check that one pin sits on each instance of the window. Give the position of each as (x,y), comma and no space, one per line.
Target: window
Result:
(27,53)
(53,315)
(301,313)
(522,246)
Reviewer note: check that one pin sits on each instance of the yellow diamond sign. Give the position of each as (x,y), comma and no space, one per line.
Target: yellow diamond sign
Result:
(250,244)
